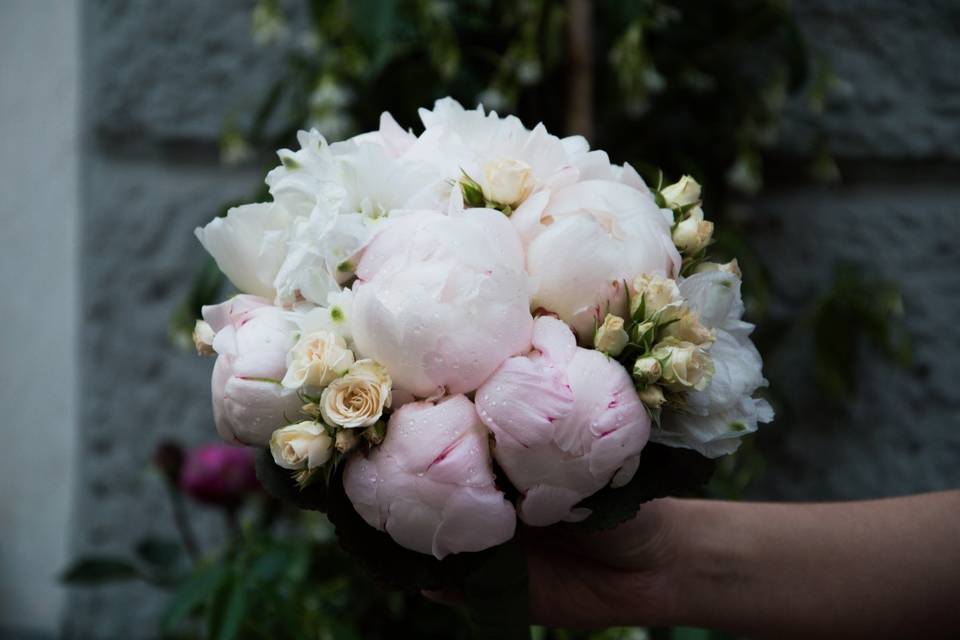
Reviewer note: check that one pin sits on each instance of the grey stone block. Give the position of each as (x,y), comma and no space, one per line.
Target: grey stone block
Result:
(901,61)
(139,258)
(172,71)
(902,431)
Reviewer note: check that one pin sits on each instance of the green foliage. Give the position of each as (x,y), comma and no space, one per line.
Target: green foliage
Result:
(95,570)
(857,310)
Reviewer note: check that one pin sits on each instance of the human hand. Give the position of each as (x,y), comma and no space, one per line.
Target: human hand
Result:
(608,578)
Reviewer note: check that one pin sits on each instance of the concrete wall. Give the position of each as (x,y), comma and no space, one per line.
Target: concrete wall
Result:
(38,287)
(159,79)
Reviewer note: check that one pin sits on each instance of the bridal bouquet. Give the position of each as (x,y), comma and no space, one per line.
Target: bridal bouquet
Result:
(440,337)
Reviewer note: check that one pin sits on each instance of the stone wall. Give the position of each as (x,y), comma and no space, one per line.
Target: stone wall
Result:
(895,132)
(160,78)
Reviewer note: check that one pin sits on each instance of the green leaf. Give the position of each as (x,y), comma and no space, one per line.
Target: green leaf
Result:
(192,594)
(663,471)
(497,597)
(234,611)
(280,484)
(271,564)
(94,570)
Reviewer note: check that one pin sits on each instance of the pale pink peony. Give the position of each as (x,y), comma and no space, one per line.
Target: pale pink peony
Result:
(585,240)
(252,340)
(441,301)
(430,485)
(567,423)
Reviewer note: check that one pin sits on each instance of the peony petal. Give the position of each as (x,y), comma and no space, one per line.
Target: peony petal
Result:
(249,244)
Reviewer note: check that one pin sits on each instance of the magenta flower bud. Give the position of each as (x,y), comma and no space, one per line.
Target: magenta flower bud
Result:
(219,474)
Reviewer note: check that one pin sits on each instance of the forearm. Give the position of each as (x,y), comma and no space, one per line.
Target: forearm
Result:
(884,568)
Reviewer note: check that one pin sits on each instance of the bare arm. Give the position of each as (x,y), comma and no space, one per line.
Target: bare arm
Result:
(874,569)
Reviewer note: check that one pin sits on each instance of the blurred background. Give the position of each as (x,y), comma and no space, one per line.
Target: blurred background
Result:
(827,135)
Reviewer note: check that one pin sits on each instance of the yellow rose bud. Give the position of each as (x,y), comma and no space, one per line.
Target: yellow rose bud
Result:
(346,440)
(694,233)
(203,335)
(358,398)
(681,193)
(611,338)
(688,328)
(646,370)
(304,445)
(656,293)
(640,330)
(684,364)
(507,182)
(653,397)
(316,359)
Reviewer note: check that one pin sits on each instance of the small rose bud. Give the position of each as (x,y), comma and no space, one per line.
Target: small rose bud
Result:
(358,398)
(203,335)
(656,293)
(653,397)
(346,440)
(694,233)
(311,409)
(375,432)
(684,191)
(611,337)
(641,330)
(732,267)
(646,370)
(304,445)
(688,328)
(507,181)
(684,365)
(316,360)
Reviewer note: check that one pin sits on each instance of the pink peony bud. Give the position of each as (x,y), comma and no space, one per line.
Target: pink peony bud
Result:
(219,474)
(567,422)
(430,484)
(441,300)
(252,340)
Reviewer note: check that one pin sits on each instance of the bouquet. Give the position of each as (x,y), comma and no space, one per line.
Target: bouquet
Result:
(443,337)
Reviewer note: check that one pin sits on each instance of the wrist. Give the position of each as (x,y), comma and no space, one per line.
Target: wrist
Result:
(706,556)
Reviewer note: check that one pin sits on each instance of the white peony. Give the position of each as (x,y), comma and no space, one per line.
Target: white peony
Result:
(249,244)
(338,195)
(508,160)
(717,417)
(586,242)
(441,300)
